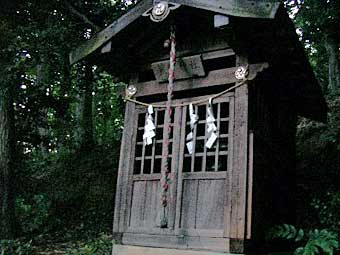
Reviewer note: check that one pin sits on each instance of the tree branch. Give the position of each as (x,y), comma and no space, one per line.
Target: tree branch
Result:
(81,16)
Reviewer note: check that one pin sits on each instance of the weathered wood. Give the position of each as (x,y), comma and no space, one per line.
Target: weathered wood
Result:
(123,166)
(194,141)
(240,158)
(154,145)
(221,21)
(176,145)
(180,171)
(208,50)
(107,48)
(138,204)
(177,242)
(128,157)
(187,67)
(137,250)
(239,8)
(218,54)
(205,176)
(189,204)
(214,78)
(250,186)
(210,205)
(152,204)
(205,150)
(229,179)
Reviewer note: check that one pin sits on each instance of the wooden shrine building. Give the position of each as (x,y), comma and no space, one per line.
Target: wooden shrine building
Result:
(241,65)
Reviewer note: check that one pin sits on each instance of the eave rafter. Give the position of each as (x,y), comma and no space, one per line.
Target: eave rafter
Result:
(239,8)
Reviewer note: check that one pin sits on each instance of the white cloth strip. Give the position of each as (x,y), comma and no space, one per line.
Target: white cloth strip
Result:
(149,129)
(211,127)
(193,120)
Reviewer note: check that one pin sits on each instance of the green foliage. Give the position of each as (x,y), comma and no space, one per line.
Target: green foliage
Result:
(327,209)
(313,242)
(15,247)
(33,215)
(99,246)
(286,231)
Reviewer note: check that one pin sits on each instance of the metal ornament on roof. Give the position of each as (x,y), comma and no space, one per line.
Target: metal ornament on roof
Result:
(131,91)
(160,10)
(241,73)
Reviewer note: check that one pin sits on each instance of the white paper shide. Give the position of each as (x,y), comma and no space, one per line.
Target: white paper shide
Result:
(211,127)
(193,120)
(149,129)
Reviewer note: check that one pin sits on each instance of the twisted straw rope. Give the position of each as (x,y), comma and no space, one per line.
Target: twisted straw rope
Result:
(188,103)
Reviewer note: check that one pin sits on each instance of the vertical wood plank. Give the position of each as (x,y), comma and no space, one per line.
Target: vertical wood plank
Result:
(189,204)
(129,173)
(154,145)
(125,169)
(217,151)
(210,206)
(176,145)
(152,204)
(204,159)
(229,179)
(180,171)
(138,204)
(240,168)
(143,151)
(194,144)
(250,185)
(122,165)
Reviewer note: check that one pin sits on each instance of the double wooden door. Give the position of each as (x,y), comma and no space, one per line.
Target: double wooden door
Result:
(200,182)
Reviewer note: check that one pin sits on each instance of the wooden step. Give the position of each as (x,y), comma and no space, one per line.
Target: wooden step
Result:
(135,250)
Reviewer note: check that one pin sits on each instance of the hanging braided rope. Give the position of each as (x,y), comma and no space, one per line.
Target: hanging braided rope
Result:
(166,171)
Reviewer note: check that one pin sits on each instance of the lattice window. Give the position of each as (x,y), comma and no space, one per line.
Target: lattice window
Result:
(148,158)
(204,159)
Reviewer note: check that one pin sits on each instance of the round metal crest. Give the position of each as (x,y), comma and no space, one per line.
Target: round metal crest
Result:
(131,91)
(160,11)
(241,73)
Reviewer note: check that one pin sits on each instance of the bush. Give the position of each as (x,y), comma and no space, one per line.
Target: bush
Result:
(99,246)
(15,247)
(327,210)
(311,242)
(33,214)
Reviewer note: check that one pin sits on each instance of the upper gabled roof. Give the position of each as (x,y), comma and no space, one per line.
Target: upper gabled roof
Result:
(237,8)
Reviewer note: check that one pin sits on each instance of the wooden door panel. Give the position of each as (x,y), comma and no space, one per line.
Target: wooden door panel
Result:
(138,204)
(210,204)
(145,204)
(189,204)
(152,204)
(203,204)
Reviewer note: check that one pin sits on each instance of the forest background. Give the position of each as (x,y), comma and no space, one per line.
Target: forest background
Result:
(60,126)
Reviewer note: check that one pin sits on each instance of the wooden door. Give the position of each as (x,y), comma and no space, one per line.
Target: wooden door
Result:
(202,204)
(145,188)
(199,189)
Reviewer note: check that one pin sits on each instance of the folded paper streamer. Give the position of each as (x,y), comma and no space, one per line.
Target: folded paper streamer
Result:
(211,127)
(193,120)
(149,129)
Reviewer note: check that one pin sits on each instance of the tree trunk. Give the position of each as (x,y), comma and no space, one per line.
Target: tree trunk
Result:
(333,64)
(7,145)
(87,139)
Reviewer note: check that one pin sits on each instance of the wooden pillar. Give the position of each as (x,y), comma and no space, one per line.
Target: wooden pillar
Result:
(124,172)
(240,167)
